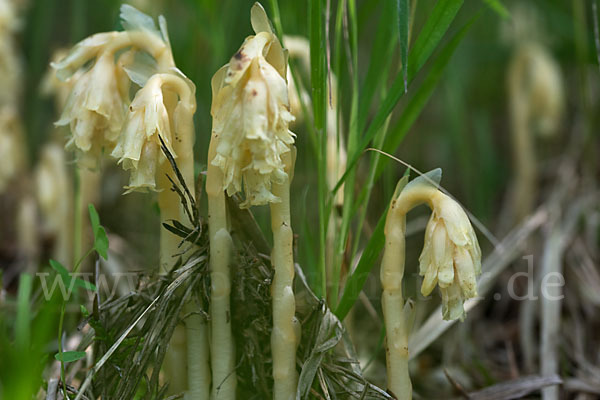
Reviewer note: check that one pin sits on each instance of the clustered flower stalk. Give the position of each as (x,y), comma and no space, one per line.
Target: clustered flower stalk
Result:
(451,259)
(103,120)
(252,149)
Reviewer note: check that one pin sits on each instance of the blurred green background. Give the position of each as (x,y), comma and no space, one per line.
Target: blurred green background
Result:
(464,128)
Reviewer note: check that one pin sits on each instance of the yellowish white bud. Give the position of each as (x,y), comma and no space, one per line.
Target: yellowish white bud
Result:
(251,116)
(451,256)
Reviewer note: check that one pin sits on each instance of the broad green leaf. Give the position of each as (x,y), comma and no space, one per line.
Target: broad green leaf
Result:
(58,267)
(101,242)
(82,283)
(100,238)
(62,272)
(69,356)
(94,218)
(67,278)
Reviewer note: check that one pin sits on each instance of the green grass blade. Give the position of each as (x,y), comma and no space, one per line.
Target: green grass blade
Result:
(432,32)
(357,280)
(396,91)
(498,8)
(22,325)
(403,24)
(318,82)
(421,97)
(381,56)
(353,137)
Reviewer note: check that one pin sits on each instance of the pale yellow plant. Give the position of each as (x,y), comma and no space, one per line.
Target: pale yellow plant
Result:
(104,120)
(251,151)
(98,103)
(451,258)
(536,103)
(251,117)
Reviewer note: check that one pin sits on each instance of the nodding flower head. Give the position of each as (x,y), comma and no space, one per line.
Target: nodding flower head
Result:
(451,257)
(158,111)
(96,107)
(251,115)
(138,147)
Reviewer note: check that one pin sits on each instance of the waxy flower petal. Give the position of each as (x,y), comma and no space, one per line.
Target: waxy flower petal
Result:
(451,256)
(251,115)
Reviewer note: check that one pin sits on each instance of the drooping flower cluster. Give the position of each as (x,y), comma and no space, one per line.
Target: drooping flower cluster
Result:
(251,116)
(138,147)
(96,108)
(451,256)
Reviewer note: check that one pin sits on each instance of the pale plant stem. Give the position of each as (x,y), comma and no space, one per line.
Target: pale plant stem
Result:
(392,273)
(195,335)
(222,346)
(283,336)
(196,328)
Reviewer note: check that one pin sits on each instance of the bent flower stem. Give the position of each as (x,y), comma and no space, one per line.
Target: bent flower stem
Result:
(451,259)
